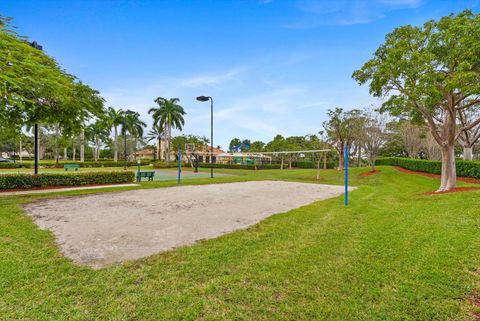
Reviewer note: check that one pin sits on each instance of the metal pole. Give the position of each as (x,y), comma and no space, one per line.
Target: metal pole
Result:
(346,173)
(179,164)
(124,143)
(36,148)
(211,136)
(139,162)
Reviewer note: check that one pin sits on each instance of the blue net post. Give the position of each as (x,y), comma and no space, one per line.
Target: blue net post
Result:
(346,173)
(179,164)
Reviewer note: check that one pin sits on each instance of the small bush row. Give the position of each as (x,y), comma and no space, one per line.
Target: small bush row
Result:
(26,181)
(167,165)
(464,168)
(87,164)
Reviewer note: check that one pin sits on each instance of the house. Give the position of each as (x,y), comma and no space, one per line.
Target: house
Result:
(144,154)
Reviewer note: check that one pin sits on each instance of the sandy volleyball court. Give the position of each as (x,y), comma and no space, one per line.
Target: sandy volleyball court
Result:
(102,229)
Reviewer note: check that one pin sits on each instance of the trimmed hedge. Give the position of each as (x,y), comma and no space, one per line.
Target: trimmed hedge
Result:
(464,168)
(25,181)
(167,165)
(10,165)
(237,166)
(52,163)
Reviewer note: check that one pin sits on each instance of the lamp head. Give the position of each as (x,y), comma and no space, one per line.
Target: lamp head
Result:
(203,98)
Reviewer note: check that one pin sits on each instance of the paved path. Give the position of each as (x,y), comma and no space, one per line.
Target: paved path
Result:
(66,189)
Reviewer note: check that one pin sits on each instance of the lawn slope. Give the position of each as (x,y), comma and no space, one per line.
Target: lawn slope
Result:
(393,254)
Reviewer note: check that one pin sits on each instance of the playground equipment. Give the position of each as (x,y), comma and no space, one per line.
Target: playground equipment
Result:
(241,147)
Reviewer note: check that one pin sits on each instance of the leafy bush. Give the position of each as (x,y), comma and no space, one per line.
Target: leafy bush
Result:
(10,165)
(24,181)
(235,166)
(464,168)
(167,165)
(86,164)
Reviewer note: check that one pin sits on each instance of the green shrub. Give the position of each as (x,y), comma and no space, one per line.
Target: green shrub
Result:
(464,168)
(86,164)
(24,181)
(167,165)
(10,165)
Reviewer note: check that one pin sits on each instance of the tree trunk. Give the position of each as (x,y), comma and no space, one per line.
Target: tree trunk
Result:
(73,153)
(318,169)
(467,153)
(20,150)
(57,156)
(449,173)
(341,161)
(97,148)
(169,136)
(82,145)
(341,158)
(115,144)
(359,156)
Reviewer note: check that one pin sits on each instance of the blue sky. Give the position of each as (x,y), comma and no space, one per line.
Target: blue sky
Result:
(273,67)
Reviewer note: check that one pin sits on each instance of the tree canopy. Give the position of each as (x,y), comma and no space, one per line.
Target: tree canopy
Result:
(430,73)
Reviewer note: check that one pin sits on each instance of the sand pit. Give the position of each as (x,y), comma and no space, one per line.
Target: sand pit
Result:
(102,229)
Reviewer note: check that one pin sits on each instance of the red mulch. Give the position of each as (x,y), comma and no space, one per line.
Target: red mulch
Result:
(463,179)
(476,301)
(39,188)
(455,190)
(370,173)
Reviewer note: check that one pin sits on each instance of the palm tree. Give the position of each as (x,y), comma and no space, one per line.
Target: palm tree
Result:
(115,118)
(97,133)
(155,134)
(132,124)
(168,115)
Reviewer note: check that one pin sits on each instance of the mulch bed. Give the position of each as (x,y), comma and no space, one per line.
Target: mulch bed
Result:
(436,176)
(455,190)
(476,301)
(463,179)
(370,173)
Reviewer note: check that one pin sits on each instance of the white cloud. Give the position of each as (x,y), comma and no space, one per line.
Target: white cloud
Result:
(346,12)
(213,80)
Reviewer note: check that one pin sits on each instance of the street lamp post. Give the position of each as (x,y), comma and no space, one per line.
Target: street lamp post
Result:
(124,142)
(204,99)
(36,147)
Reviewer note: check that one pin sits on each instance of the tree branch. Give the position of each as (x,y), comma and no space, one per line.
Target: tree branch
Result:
(471,103)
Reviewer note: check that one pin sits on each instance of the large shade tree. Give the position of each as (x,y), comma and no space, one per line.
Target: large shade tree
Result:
(35,90)
(169,114)
(430,72)
(342,129)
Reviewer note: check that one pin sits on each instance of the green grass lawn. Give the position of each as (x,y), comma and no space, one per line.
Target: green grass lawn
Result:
(393,254)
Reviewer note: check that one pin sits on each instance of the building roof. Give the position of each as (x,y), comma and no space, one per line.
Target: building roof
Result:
(145,151)
(205,150)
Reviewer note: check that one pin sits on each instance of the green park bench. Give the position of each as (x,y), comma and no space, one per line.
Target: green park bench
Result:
(71,166)
(146,174)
